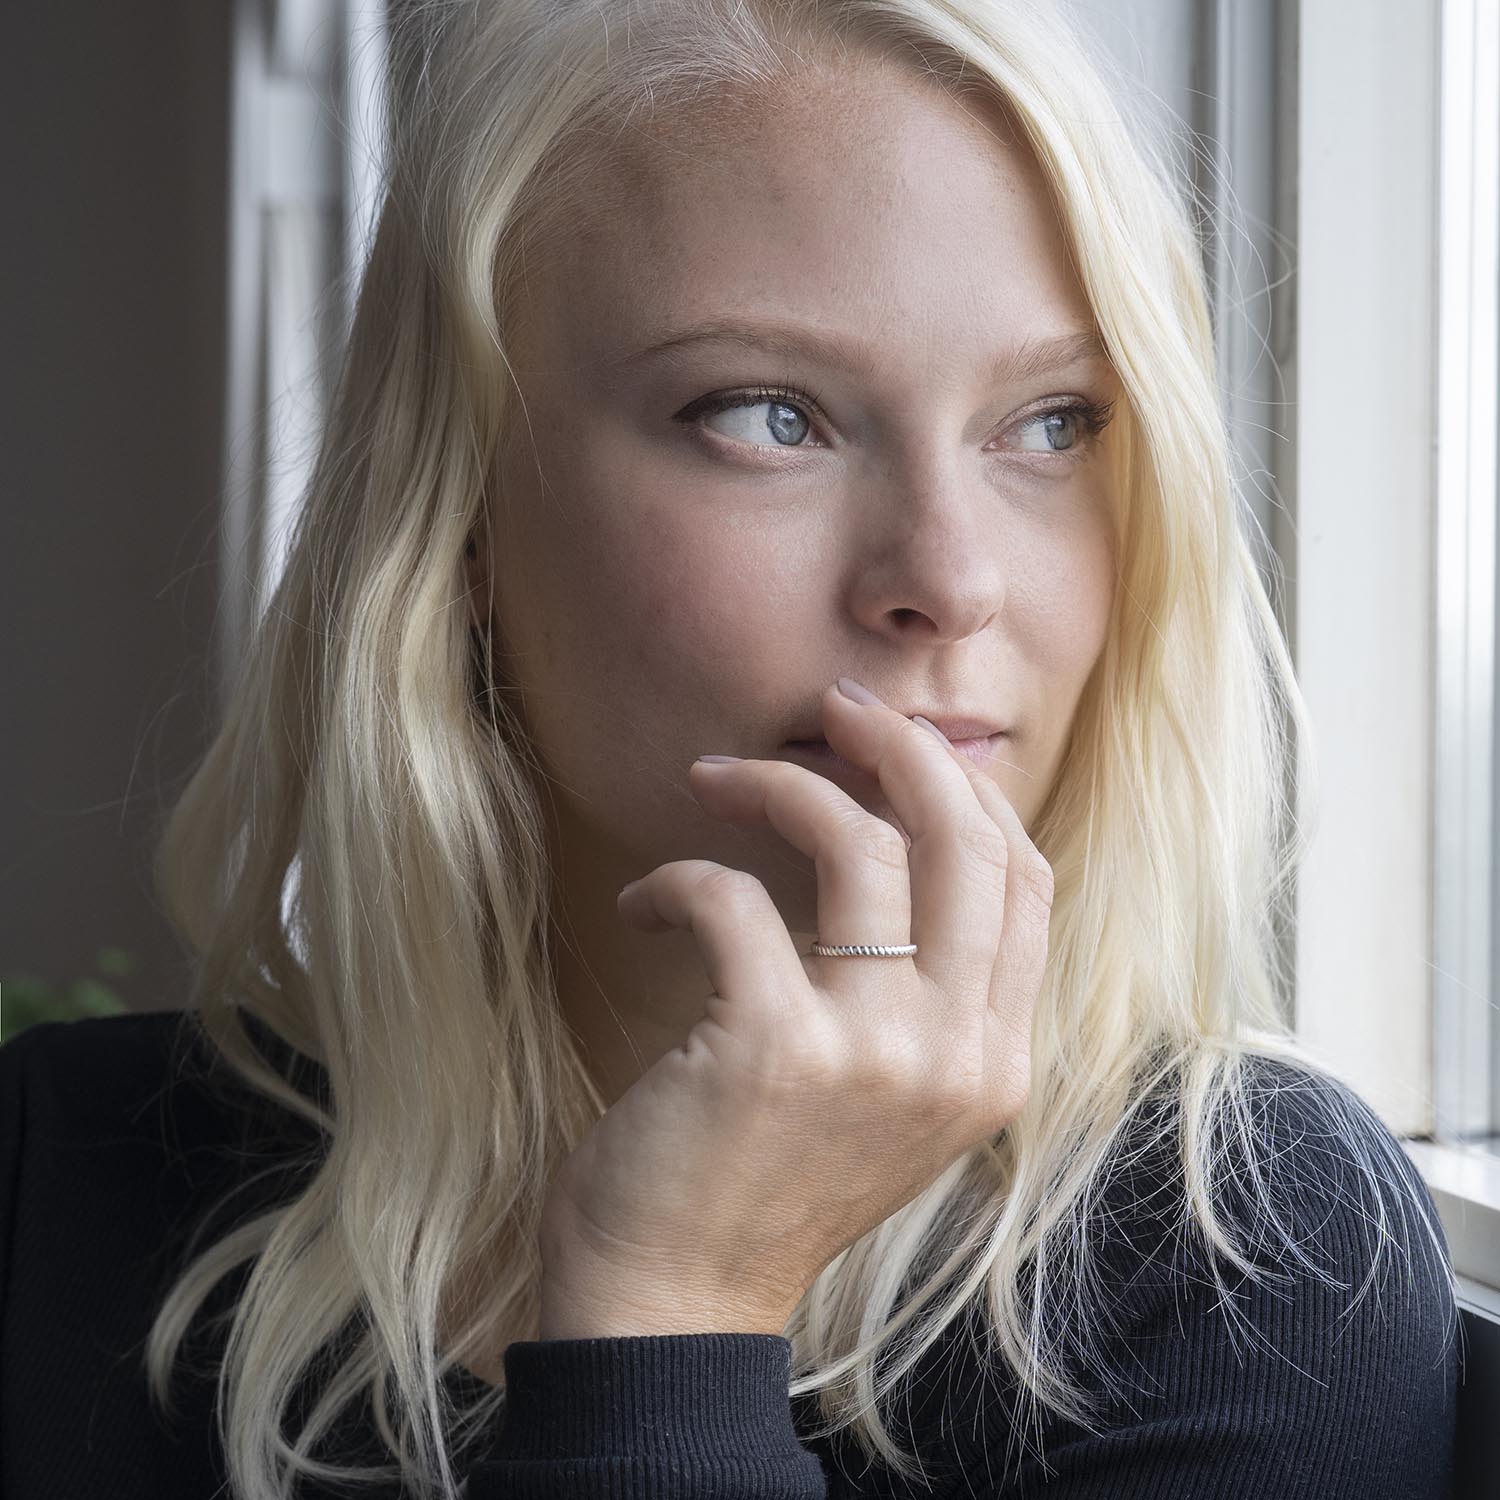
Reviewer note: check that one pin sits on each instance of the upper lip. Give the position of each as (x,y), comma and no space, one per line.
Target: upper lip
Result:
(954,728)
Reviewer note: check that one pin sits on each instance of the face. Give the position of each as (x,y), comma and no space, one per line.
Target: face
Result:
(912,508)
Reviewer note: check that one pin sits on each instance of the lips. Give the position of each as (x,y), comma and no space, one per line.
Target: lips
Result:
(954,729)
(964,729)
(979,750)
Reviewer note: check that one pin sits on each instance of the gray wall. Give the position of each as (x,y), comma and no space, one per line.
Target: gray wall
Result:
(112,269)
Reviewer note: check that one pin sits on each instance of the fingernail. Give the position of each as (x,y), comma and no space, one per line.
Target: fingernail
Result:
(719,760)
(929,725)
(851,689)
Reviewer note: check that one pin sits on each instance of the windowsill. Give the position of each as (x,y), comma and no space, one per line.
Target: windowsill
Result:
(1465,1185)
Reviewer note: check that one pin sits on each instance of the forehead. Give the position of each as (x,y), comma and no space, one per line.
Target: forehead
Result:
(857,197)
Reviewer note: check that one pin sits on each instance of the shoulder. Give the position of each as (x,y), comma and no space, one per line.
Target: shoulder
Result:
(1322,1247)
(1289,1148)
(125,1152)
(76,1073)
(1321,1330)
(1308,1348)
(142,1079)
(119,1126)
(98,1077)
(1314,1155)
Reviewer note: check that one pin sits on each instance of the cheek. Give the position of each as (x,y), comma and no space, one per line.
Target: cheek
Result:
(1091,599)
(1065,595)
(653,612)
(713,611)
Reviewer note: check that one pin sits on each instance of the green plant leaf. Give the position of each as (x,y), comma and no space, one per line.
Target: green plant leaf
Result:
(25,987)
(26,1000)
(87,997)
(24,1005)
(115,962)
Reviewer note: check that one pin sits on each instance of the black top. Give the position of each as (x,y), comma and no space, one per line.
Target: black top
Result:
(111,1151)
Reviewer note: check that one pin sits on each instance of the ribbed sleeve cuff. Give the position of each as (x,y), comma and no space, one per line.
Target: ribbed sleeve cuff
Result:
(662,1414)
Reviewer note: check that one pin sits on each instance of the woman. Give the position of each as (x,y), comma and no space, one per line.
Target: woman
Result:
(921,1112)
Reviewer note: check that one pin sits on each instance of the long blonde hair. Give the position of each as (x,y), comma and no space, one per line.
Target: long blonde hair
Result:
(360,863)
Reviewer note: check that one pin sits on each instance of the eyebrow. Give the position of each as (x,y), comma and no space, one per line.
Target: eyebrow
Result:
(1029,359)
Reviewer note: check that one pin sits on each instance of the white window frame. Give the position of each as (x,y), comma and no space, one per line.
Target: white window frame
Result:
(1359,558)
(1465,1072)
(1394,610)
(305,163)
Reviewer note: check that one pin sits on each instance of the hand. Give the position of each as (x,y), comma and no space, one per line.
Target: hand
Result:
(817,1095)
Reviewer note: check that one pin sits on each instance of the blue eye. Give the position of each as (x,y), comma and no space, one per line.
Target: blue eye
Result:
(787,422)
(1074,422)
(1064,422)
(1077,421)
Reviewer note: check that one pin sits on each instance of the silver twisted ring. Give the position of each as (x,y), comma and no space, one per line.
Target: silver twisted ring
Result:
(864,950)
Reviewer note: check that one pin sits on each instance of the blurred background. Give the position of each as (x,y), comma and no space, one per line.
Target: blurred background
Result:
(190,190)
(191,183)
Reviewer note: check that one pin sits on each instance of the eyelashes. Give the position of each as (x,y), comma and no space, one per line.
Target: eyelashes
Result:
(1092,416)
(785,395)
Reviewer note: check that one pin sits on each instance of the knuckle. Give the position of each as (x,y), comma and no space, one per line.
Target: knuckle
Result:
(885,1058)
(1015,1088)
(875,839)
(955,1096)
(724,885)
(987,842)
(928,1087)
(1037,880)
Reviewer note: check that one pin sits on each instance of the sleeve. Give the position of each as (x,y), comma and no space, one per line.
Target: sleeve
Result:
(1339,1384)
(665,1416)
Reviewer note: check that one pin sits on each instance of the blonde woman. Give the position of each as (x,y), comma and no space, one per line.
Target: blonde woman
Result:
(876,1111)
